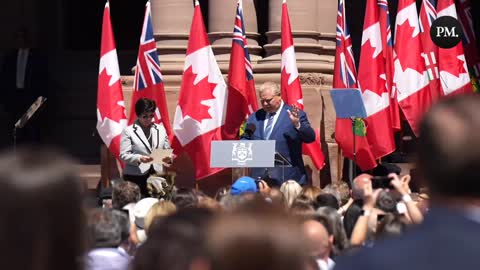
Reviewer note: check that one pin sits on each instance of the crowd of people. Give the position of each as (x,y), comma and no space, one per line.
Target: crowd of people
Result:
(49,223)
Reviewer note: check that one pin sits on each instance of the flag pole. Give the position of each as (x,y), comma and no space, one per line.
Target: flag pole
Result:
(353,167)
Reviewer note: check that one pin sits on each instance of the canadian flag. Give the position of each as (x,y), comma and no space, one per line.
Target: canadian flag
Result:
(372,82)
(411,78)
(200,110)
(291,88)
(454,77)
(389,54)
(465,16)
(428,14)
(111,117)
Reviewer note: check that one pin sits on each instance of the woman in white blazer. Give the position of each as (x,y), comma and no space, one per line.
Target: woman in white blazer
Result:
(139,140)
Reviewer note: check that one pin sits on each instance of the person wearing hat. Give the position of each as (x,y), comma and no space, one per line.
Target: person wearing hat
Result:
(140,211)
(244,184)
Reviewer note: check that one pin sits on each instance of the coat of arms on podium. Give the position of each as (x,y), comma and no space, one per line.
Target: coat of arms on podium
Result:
(242,152)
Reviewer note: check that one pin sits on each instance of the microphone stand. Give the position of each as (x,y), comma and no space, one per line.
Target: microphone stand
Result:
(15,141)
(25,118)
(353,166)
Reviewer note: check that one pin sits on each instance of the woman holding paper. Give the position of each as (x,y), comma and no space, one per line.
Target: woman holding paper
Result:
(138,142)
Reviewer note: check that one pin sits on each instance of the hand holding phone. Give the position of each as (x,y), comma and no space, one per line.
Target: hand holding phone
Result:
(381,182)
(262,187)
(398,184)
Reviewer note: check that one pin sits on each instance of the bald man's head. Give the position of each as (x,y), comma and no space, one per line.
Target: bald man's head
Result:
(358,185)
(318,241)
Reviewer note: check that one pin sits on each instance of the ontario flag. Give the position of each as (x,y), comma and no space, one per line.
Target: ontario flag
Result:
(388,54)
(464,9)
(291,88)
(111,118)
(200,112)
(242,99)
(148,81)
(411,78)
(429,50)
(454,77)
(373,84)
(345,76)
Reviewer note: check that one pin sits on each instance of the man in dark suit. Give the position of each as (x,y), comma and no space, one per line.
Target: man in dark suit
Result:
(449,159)
(23,75)
(288,126)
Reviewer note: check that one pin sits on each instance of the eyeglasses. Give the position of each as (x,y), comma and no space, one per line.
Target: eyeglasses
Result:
(266,100)
(147,116)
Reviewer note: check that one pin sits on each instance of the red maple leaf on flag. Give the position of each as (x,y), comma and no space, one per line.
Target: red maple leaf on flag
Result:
(191,103)
(371,83)
(454,66)
(108,106)
(406,31)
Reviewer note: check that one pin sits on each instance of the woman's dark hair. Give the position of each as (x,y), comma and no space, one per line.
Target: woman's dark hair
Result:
(185,198)
(350,218)
(41,202)
(386,202)
(335,226)
(124,193)
(145,105)
(326,199)
(104,228)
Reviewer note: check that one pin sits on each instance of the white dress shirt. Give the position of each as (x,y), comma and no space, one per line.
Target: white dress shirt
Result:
(22,58)
(275,118)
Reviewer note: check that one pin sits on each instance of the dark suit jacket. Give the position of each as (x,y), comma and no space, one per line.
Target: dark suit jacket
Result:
(446,240)
(288,142)
(18,100)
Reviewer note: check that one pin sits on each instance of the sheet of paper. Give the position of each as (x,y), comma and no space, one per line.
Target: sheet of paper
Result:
(158,155)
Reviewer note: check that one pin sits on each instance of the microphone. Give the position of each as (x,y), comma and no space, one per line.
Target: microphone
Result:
(249,130)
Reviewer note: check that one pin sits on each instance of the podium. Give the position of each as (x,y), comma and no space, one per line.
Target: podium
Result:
(246,154)
(349,104)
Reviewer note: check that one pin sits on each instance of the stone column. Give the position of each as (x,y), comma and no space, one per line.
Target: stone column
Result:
(221,20)
(327,23)
(315,65)
(171,24)
(305,36)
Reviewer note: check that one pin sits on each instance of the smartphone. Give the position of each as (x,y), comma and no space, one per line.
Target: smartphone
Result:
(381,182)
(380,217)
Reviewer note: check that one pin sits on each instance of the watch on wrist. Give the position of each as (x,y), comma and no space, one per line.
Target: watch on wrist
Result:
(407,198)
(365,213)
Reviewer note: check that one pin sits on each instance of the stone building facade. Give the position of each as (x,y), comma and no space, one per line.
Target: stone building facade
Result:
(68,32)
(313,27)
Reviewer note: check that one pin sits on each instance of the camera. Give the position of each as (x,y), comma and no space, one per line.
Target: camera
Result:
(381,182)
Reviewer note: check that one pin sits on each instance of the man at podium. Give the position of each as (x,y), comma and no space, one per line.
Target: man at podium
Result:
(285,124)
